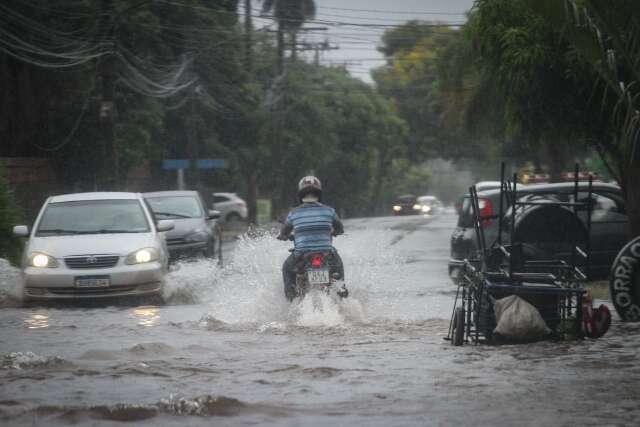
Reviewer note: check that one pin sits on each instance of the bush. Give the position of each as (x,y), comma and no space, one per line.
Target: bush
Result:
(10,246)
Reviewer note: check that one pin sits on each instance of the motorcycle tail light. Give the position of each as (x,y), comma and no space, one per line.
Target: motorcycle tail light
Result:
(316,260)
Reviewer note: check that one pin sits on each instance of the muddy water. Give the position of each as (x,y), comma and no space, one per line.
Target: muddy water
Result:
(229,350)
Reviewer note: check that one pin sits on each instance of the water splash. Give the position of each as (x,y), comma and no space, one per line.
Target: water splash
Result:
(10,285)
(29,360)
(248,290)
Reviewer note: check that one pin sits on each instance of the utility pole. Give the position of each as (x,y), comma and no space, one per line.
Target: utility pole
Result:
(280,49)
(281,44)
(317,48)
(248,38)
(109,168)
(252,172)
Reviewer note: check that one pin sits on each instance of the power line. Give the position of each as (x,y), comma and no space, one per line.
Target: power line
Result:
(393,12)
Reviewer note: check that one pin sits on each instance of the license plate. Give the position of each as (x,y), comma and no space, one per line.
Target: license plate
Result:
(318,277)
(92,282)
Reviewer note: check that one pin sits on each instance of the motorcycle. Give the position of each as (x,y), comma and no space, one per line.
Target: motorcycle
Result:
(317,270)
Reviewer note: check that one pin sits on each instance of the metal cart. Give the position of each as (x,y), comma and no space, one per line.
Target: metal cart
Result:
(554,285)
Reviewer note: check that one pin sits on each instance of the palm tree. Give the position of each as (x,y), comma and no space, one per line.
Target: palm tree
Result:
(290,15)
(607,38)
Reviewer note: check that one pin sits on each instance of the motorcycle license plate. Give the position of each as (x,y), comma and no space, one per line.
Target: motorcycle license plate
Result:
(318,277)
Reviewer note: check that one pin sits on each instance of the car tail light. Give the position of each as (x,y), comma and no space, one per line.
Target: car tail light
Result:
(316,261)
(486,210)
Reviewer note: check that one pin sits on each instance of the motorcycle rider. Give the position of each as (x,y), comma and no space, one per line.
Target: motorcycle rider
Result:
(313,225)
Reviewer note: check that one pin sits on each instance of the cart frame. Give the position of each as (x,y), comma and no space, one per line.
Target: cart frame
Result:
(554,286)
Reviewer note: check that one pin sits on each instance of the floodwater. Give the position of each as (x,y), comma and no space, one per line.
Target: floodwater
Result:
(228,349)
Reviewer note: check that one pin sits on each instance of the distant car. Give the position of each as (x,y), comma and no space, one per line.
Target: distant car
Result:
(196,230)
(231,207)
(94,245)
(431,205)
(407,205)
(609,222)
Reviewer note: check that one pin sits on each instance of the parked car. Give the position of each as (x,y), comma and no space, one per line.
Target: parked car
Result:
(609,222)
(487,185)
(231,207)
(196,230)
(430,205)
(480,186)
(407,205)
(94,245)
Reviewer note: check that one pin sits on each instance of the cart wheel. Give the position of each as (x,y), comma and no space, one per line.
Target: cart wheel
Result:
(458,327)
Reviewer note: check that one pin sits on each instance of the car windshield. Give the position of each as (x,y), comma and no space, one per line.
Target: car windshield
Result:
(406,200)
(176,207)
(93,217)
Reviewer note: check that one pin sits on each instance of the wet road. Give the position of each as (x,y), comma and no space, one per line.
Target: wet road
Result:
(229,350)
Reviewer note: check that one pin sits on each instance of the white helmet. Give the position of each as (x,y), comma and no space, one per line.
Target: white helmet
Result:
(309,184)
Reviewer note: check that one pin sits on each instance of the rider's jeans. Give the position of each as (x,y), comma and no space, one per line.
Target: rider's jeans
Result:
(289,272)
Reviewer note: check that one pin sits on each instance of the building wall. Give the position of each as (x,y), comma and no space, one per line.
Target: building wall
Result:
(32,180)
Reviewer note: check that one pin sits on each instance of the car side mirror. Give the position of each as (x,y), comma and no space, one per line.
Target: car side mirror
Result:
(214,214)
(165,225)
(21,231)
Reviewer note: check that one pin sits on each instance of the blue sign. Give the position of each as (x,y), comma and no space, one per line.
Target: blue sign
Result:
(175,164)
(210,164)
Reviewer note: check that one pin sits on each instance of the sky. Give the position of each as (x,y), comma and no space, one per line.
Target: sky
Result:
(356,44)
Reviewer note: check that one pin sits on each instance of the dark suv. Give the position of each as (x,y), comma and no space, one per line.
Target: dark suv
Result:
(609,222)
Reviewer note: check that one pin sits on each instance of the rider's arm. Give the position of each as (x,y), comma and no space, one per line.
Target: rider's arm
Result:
(338,228)
(286,230)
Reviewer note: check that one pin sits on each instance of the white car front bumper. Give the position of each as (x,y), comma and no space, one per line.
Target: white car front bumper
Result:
(124,280)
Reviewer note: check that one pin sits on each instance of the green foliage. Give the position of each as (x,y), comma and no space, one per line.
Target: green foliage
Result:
(325,122)
(411,81)
(269,128)
(10,246)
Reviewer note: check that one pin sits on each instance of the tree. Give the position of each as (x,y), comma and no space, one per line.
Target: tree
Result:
(605,38)
(10,247)
(526,59)
(290,15)
(411,80)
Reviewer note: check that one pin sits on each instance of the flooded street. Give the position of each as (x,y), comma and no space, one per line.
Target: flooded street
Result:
(228,345)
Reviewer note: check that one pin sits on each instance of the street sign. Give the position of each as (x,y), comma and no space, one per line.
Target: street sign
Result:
(175,164)
(210,164)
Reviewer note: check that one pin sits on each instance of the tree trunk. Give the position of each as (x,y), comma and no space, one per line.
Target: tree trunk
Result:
(557,159)
(252,195)
(294,45)
(381,172)
(280,50)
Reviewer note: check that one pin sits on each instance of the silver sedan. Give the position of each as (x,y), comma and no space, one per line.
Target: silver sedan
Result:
(94,245)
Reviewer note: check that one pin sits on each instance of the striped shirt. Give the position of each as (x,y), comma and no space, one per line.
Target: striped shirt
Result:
(312,224)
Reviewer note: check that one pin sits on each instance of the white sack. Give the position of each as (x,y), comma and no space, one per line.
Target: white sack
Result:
(517,319)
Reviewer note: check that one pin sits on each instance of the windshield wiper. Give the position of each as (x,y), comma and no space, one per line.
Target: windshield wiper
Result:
(172,214)
(60,231)
(115,231)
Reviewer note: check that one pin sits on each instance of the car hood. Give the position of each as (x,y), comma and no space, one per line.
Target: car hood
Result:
(185,226)
(92,244)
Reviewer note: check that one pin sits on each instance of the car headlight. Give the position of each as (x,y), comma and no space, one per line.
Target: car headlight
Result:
(426,209)
(41,260)
(142,256)
(197,236)
(417,207)
(397,208)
